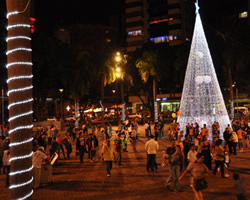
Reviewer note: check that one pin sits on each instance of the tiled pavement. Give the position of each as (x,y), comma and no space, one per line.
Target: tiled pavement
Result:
(76,181)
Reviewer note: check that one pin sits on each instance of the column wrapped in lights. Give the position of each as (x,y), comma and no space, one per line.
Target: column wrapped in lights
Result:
(202,100)
(20,98)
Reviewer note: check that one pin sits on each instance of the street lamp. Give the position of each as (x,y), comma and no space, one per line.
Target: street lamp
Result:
(236,94)
(118,57)
(118,60)
(61,91)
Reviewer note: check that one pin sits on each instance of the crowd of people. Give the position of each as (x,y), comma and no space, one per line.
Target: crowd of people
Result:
(193,150)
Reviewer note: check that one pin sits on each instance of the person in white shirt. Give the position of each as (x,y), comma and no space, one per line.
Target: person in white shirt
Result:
(38,157)
(191,156)
(151,148)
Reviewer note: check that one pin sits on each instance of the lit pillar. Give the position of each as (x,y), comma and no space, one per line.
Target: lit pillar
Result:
(20,98)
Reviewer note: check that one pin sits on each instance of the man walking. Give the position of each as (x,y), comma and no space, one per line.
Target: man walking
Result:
(151,148)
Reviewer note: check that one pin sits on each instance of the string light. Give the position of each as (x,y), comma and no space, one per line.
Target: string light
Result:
(21,171)
(26,196)
(21,184)
(20,128)
(18,37)
(18,26)
(201,100)
(19,77)
(21,115)
(18,49)
(11,13)
(19,90)
(18,63)
(20,102)
(19,143)
(21,157)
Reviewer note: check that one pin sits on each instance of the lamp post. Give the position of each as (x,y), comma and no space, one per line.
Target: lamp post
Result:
(236,94)
(118,60)
(61,91)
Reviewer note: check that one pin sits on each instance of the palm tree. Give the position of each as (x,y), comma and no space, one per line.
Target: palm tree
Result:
(148,67)
(20,94)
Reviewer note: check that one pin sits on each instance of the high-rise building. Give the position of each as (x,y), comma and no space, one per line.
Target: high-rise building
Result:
(136,24)
(157,21)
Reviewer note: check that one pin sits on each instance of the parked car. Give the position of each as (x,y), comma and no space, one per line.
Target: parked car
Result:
(70,117)
(134,115)
(51,118)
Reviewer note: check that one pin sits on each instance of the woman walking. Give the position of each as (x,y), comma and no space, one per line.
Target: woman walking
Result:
(108,156)
(198,171)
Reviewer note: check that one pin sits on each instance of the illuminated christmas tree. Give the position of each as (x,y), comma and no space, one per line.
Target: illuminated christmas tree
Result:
(202,100)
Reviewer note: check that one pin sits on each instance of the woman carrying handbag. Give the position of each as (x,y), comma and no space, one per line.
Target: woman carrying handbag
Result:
(198,171)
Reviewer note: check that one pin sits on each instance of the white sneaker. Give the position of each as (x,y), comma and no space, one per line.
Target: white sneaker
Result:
(108,175)
(227,175)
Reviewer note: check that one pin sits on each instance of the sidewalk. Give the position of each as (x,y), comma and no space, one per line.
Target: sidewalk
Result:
(76,181)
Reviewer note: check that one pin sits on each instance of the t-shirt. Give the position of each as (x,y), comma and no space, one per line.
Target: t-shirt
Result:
(151,146)
(197,169)
(191,156)
(170,151)
(240,133)
(108,152)
(38,158)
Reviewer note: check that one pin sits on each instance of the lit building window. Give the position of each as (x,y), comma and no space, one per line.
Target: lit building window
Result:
(135,33)
(161,20)
(166,38)
(243,15)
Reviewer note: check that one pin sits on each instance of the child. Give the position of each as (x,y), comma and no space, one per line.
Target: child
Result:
(227,160)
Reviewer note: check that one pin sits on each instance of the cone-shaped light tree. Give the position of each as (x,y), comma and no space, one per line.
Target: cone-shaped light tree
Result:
(202,100)
(20,98)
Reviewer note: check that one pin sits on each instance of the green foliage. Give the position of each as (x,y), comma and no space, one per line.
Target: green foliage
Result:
(147,65)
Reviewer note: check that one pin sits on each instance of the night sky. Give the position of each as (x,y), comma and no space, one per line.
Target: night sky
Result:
(76,11)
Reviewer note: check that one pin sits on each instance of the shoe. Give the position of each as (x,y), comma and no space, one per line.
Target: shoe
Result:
(168,187)
(226,175)
(91,161)
(108,175)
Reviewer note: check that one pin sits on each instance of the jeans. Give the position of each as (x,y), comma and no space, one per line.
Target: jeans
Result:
(219,163)
(7,175)
(240,143)
(81,153)
(91,154)
(151,162)
(60,147)
(234,144)
(174,173)
(119,156)
(161,133)
(109,166)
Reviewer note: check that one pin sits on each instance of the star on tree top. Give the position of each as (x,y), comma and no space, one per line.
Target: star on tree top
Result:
(196,7)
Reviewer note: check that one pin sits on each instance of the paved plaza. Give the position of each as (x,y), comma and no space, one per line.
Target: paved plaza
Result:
(72,180)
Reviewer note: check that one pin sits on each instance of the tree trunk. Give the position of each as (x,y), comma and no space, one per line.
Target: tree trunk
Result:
(102,98)
(20,99)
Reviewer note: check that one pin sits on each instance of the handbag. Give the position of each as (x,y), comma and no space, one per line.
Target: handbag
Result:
(200,184)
